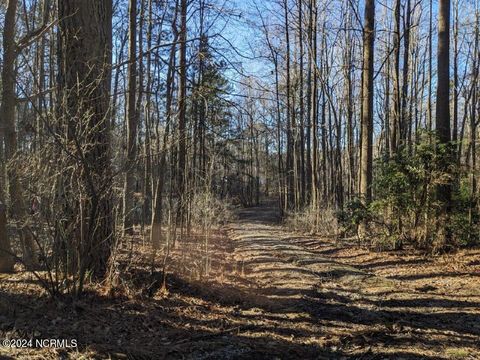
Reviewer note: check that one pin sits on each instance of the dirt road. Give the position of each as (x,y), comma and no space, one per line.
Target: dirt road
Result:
(270,294)
(305,301)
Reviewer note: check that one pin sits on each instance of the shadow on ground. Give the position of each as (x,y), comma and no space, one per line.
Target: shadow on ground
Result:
(275,296)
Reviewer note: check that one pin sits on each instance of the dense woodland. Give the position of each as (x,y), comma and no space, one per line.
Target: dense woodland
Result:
(145,127)
(120,115)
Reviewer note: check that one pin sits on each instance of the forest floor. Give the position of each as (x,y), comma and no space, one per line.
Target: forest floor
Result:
(269,294)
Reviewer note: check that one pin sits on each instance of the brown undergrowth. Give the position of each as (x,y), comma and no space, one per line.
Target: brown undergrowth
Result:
(269,293)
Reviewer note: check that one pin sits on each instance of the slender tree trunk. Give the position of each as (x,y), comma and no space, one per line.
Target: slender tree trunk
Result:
(474,120)
(8,82)
(444,191)
(18,205)
(6,259)
(290,142)
(132,121)
(182,108)
(395,129)
(310,71)
(280,166)
(349,102)
(157,217)
(367,108)
(455,73)
(405,121)
(7,113)
(387,110)
(301,106)
(430,68)
(147,206)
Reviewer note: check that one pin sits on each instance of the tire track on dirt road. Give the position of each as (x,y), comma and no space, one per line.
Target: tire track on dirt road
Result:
(349,311)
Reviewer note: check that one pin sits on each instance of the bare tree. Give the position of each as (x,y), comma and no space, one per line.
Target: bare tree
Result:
(7,116)
(132,122)
(182,108)
(444,190)
(366,159)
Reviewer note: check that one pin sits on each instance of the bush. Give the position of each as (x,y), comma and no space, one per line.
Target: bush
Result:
(405,206)
(208,211)
(464,221)
(314,221)
(352,215)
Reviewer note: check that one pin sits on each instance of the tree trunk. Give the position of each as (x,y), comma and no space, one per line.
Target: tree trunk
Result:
(405,121)
(444,191)
(430,67)
(148,191)
(157,217)
(85,43)
(290,142)
(301,110)
(6,258)
(314,112)
(129,184)
(367,108)
(455,72)
(182,108)
(348,66)
(473,123)
(396,125)
(7,117)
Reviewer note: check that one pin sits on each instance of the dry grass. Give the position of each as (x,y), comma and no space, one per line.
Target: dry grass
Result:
(311,220)
(269,294)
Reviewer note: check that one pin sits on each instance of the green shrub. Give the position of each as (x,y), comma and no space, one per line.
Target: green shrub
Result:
(405,208)
(354,213)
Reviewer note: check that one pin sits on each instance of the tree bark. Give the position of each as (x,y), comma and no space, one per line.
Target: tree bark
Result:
(132,120)
(444,191)
(157,217)
(7,117)
(405,121)
(6,258)
(367,108)
(396,126)
(290,143)
(85,44)
(182,108)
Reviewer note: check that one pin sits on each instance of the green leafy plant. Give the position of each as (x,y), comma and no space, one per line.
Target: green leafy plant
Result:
(405,206)
(354,213)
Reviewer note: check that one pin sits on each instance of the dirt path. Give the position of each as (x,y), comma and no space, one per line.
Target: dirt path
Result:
(270,294)
(300,292)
